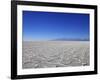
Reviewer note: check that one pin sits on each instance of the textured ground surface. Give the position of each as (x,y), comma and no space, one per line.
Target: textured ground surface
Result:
(55,54)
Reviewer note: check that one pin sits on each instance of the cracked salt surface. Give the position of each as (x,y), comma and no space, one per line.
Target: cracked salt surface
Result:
(55,54)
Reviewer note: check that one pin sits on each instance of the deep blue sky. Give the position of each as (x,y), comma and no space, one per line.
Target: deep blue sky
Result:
(52,25)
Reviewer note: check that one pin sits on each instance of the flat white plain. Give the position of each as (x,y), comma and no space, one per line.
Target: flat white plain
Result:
(47,54)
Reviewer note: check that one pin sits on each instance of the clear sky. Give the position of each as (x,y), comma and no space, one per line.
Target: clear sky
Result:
(39,26)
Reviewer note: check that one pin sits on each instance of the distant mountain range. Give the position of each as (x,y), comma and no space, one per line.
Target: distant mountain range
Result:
(65,39)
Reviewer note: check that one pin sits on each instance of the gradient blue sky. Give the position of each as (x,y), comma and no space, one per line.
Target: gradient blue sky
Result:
(39,26)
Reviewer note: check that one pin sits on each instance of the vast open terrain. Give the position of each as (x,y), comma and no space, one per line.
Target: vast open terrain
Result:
(46,54)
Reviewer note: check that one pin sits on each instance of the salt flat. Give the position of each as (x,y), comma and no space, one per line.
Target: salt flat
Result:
(46,54)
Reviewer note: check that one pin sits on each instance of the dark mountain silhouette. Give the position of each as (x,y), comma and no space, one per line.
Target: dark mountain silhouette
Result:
(65,39)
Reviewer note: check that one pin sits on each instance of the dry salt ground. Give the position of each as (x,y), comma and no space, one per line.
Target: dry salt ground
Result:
(46,54)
